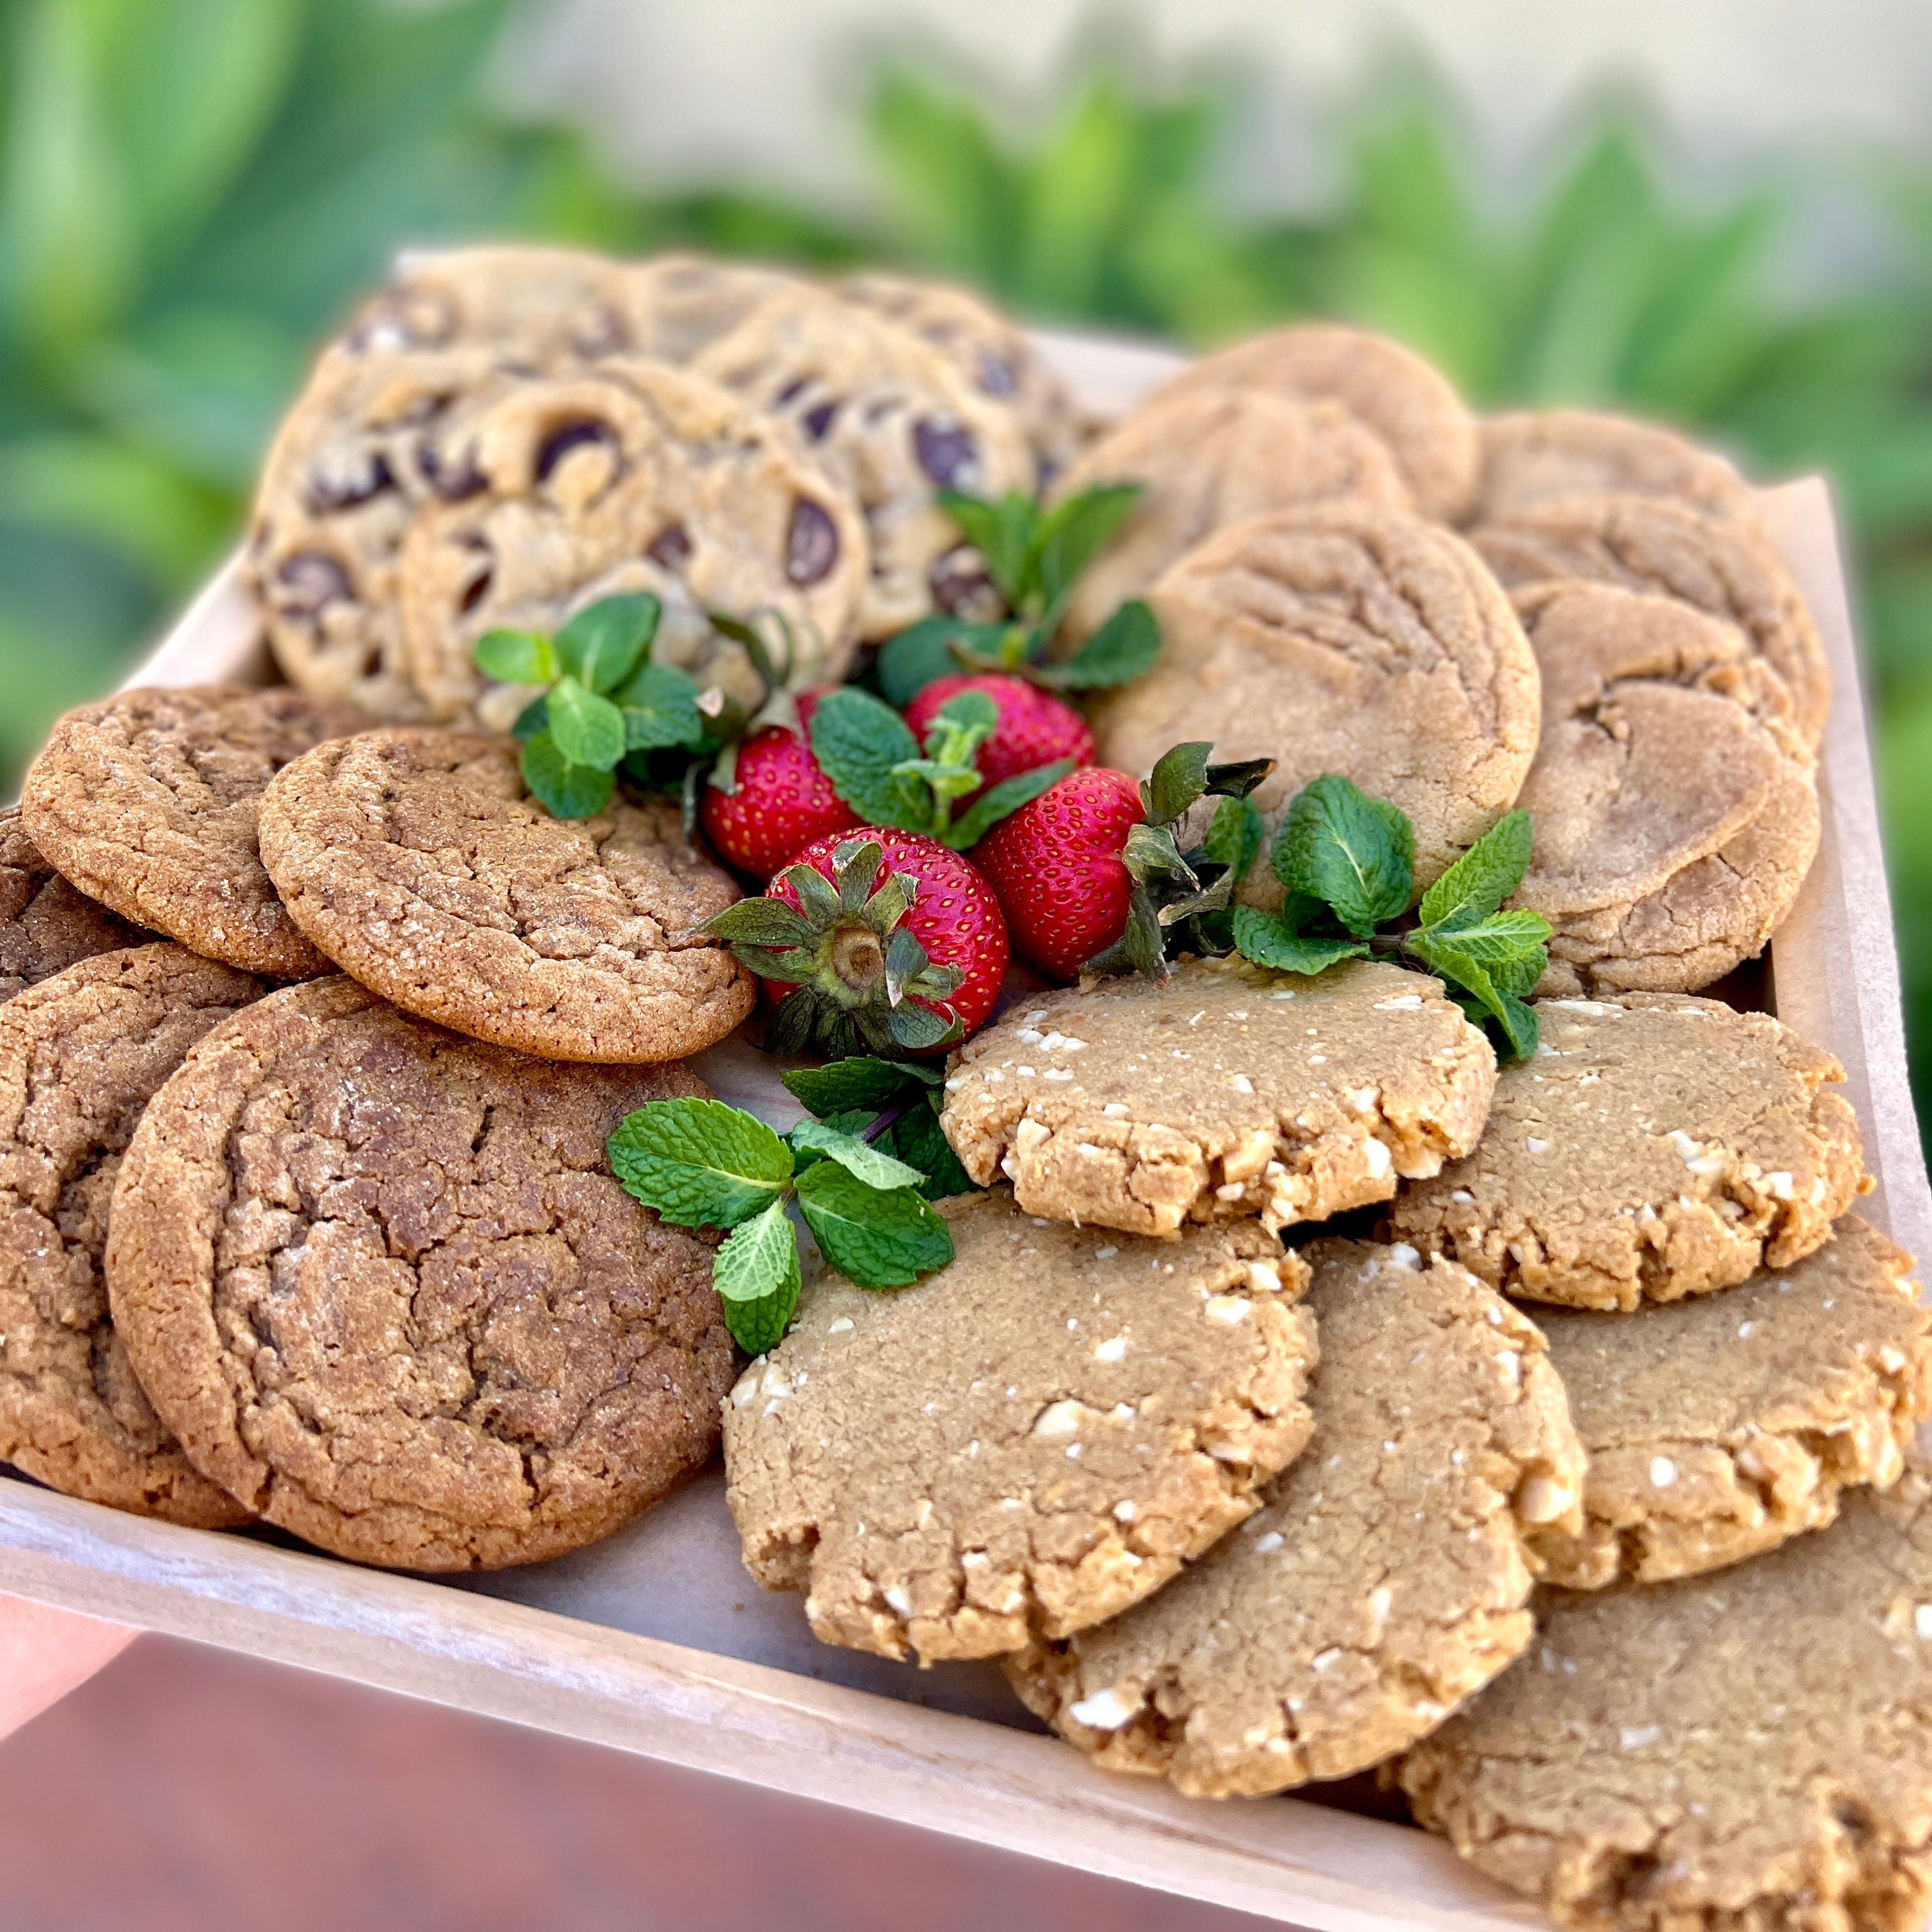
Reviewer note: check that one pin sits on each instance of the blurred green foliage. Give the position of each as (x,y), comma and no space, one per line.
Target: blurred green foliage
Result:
(192,191)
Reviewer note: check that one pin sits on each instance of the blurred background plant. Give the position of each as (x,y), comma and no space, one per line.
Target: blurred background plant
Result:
(191,191)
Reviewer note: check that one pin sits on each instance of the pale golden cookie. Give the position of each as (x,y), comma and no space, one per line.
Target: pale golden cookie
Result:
(1029,1441)
(1227,1090)
(1718,1428)
(1384,1579)
(1673,796)
(1657,1146)
(1735,1752)
(1409,403)
(1360,641)
(1716,564)
(1206,458)
(417,862)
(680,303)
(1535,456)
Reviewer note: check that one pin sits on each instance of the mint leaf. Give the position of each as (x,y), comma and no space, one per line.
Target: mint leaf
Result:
(1073,534)
(1122,650)
(860,1082)
(699,1163)
(1233,835)
(1442,953)
(922,652)
(856,1156)
(1508,946)
(756,1274)
(534,717)
(1354,853)
(857,740)
(588,730)
(563,789)
(600,645)
(1002,801)
(660,710)
(874,1239)
(1005,533)
(515,657)
(1269,941)
(916,1137)
(1483,877)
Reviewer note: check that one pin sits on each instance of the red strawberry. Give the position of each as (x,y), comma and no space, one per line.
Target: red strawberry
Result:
(779,803)
(1056,865)
(1034,728)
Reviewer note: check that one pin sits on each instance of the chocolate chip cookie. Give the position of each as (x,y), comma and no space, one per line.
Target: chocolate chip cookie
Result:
(1027,1441)
(1718,1428)
(1227,1090)
(1385,1577)
(46,926)
(147,802)
(377,1280)
(1531,457)
(81,1054)
(417,862)
(1656,1146)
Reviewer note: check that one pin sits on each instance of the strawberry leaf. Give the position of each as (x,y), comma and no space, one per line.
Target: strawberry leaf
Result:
(1233,835)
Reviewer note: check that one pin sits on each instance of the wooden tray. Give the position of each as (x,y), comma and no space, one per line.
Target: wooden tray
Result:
(657,1642)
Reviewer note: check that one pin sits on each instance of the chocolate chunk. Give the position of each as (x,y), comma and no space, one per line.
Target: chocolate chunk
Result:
(312,580)
(947,451)
(813,547)
(817,421)
(563,440)
(962,586)
(671,546)
(344,477)
(453,477)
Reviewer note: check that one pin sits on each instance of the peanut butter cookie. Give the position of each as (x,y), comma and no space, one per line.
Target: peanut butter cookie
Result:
(1227,1091)
(1531,457)
(376,1278)
(1656,1146)
(1029,1441)
(46,926)
(1385,1578)
(417,862)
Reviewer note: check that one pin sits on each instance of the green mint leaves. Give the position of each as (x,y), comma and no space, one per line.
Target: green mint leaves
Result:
(1035,557)
(1347,862)
(876,765)
(605,707)
(701,1164)
(895,1105)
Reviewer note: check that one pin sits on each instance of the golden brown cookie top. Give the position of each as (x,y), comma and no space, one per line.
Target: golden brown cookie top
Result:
(1384,1579)
(45,925)
(81,1054)
(376,1278)
(1743,1750)
(148,801)
(1657,1146)
(1537,456)
(1029,1440)
(1224,1091)
(1718,1427)
(415,859)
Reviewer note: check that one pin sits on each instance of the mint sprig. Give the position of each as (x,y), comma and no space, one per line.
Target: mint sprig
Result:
(1035,557)
(894,1105)
(702,1164)
(1346,862)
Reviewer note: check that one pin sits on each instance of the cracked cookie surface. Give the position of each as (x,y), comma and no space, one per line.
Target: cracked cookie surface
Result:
(46,926)
(377,1280)
(149,803)
(1227,1091)
(81,1054)
(1731,1753)
(1031,1440)
(1385,1578)
(1537,456)
(415,860)
(1657,1146)
(1718,1428)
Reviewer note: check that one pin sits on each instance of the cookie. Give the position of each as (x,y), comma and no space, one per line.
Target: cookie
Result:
(1227,1091)
(1656,1146)
(1207,458)
(1409,403)
(1531,457)
(46,926)
(627,477)
(1718,1428)
(1030,1441)
(417,862)
(1348,640)
(893,422)
(81,1054)
(1385,1577)
(1733,1752)
(1674,798)
(1719,565)
(681,303)
(377,1280)
(147,802)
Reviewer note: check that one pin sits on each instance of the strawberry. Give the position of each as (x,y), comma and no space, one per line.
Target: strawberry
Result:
(1035,728)
(779,802)
(1056,867)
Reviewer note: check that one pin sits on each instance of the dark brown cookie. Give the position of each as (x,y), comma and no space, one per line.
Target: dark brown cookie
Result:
(80,1055)
(416,861)
(147,802)
(46,926)
(377,1280)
